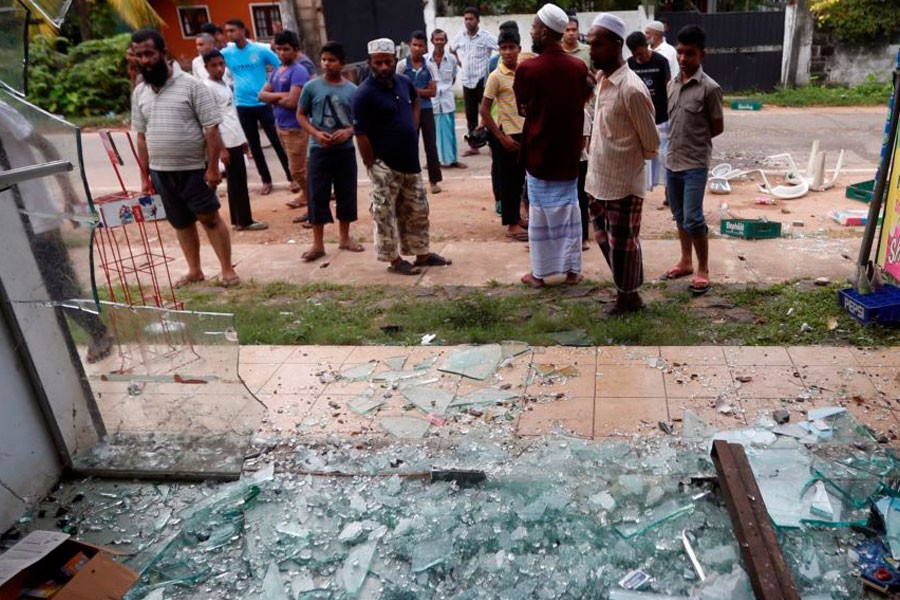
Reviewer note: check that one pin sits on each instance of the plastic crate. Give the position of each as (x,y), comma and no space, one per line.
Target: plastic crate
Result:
(863,191)
(751,229)
(882,307)
(746,105)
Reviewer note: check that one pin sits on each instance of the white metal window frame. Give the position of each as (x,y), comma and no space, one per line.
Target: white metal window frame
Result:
(256,35)
(179,9)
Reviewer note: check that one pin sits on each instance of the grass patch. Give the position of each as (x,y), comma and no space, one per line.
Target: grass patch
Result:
(284,313)
(870,93)
(98,122)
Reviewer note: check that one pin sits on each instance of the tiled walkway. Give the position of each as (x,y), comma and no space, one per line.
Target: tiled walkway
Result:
(608,391)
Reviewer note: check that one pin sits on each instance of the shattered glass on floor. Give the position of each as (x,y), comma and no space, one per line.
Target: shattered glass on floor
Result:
(556,517)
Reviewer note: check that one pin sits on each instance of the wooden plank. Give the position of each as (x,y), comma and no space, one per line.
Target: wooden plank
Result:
(763,560)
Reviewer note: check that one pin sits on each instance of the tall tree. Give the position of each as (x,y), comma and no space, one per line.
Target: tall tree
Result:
(135,13)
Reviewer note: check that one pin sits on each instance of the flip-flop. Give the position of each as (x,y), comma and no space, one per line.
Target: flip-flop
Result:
(433,260)
(675,273)
(699,286)
(230,283)
(312,255)
(186,281)
(521,236)
(352,247)
(532,281)
(266,189)
(404,267)
(301,218)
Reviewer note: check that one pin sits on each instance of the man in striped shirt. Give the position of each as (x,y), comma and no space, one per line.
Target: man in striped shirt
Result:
(624,136)
(176,120)
(476,45)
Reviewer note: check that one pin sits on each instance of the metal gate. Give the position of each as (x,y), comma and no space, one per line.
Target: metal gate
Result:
(743,50)
(355,22)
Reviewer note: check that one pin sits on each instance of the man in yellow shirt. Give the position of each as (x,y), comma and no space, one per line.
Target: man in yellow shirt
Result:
(507,131)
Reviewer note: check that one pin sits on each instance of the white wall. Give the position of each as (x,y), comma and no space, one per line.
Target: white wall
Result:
(28,462)
(851,66)
(634,19)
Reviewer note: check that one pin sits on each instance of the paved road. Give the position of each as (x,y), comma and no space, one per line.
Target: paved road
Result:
(748,138)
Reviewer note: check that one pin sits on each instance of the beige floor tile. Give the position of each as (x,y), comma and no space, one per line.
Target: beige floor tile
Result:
(705,409)
(836,384)
(295,379)
(886,381)
(620,381)
(760,408)
(573,414)
(768,382)
(879,420)
(822,356)
(629,416)
(316,355)
(265,354)
(255,375)
(333,416)
(741,356)
(698,382)
(294,406)
(361,354)
(877,357)
(693,355)
(626,355)
(575,386)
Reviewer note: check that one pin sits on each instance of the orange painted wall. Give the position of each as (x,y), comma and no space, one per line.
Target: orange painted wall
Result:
(219,11)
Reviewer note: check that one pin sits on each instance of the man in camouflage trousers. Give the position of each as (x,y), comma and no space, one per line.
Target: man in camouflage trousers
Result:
(385,119)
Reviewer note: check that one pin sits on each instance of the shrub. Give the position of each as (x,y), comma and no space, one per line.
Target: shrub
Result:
(861,21)
(91,80)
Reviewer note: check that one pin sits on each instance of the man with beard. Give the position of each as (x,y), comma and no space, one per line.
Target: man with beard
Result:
(476,46)
(176,120)
(386,122)
(624,136)
(551,90)
(655,33)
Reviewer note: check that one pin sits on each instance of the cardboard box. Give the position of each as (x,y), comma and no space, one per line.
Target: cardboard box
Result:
(44,556)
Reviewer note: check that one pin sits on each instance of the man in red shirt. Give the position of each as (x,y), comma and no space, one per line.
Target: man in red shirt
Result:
(551,90)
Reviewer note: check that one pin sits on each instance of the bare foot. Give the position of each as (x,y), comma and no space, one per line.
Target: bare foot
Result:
(189,279)
(531,280)
(230,279)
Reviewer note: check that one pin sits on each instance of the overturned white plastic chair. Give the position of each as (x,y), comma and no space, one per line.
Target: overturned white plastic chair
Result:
(782,192)
(720,176)
(814,177)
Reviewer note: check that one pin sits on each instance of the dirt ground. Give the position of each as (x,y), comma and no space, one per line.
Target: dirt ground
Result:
(464,211)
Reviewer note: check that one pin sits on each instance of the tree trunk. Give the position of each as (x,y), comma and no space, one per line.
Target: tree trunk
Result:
(82,7)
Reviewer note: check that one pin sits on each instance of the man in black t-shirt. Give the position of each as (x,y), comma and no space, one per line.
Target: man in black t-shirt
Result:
(653,69)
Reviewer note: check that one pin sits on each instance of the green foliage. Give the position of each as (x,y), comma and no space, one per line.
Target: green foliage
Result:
(870,93)
(91,80)
(862,21)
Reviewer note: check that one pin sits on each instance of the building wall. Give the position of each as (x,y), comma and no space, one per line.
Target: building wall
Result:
(635,20)
(182,48)
(29,466)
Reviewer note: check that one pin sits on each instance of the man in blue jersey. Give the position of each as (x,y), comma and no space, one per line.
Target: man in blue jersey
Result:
(247,62)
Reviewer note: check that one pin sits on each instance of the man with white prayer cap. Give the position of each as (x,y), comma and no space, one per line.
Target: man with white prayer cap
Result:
(624,136)
(656,35)
(551,90)
(386,123)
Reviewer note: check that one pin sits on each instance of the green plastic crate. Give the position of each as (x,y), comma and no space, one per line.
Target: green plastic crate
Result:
(746,105)
(863,191)
(751,229)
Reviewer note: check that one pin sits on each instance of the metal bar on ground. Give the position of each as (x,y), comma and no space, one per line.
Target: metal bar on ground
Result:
(769,574)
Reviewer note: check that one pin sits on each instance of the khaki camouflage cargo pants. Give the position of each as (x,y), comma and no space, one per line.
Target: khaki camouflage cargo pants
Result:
(400,213)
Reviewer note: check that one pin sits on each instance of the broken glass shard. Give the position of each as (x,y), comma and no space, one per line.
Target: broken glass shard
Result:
(671,509)
(474,362)
(395,363)
(396,376)
(576,337)
(356,567)
(365,402)
(511,349)
(695,428)
(430,553)
(405,427)
(485,396)
(431,400)
(359,372)
(273,585)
